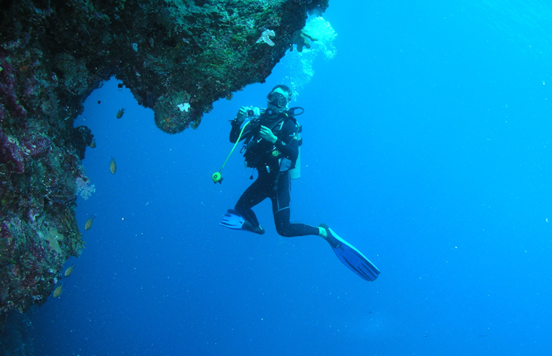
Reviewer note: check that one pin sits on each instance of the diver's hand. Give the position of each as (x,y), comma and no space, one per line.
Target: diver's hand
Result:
(266,134)
(242,114)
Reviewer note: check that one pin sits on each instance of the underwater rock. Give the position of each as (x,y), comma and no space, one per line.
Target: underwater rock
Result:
(16,338)
(176,56)
(82,137)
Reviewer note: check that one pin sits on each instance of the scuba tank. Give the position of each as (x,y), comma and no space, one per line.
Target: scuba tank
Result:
(295,172)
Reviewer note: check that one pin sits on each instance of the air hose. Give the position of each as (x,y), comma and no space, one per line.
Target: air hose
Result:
(217,176)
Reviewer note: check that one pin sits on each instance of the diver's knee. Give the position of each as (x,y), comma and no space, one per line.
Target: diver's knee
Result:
(284,232)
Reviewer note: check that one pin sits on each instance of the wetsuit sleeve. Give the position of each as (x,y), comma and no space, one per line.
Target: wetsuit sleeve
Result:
(235,131)
(287,143)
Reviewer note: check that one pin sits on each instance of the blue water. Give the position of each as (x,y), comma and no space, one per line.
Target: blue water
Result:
(426,145)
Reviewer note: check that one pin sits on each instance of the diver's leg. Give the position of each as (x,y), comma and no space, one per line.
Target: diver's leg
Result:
(280,208)
(251,197)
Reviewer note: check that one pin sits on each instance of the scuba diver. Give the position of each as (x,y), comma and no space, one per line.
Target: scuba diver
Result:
(271,142)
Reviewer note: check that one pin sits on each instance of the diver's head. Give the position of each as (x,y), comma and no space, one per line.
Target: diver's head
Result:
(279,98)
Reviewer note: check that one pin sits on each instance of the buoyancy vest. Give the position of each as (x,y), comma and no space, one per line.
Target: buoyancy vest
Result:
(262,154)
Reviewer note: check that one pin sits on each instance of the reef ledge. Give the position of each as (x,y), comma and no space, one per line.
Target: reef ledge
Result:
(176,56)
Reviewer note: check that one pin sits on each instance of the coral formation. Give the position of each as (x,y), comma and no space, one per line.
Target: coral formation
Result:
(302,39)
(176,56)
(265,37)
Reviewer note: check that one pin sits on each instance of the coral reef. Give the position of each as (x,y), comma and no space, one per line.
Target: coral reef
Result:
(176,56)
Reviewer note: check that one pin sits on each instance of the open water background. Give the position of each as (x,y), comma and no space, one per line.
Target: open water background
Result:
(426,145)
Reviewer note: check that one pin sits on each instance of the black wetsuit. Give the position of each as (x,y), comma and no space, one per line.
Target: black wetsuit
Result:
(273,162)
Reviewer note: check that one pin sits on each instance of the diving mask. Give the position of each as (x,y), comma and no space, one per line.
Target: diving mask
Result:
(277,99)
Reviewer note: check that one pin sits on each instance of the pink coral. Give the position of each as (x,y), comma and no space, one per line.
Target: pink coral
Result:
(84,188)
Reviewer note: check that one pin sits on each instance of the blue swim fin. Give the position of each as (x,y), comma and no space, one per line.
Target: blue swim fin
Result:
(350,256)
(233,220)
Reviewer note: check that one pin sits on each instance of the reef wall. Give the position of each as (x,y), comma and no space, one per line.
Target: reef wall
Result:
(176,56)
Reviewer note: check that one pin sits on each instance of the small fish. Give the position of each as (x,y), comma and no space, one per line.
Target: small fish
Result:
(69,270)
(120,113)
(88,224)
(113,166)
(93,144)
(57,291)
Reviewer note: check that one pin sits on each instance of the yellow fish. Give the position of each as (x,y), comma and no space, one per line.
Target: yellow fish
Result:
(88,224)
(113,166)
(69,270)
(93,144)
(120,113)
(57,291)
